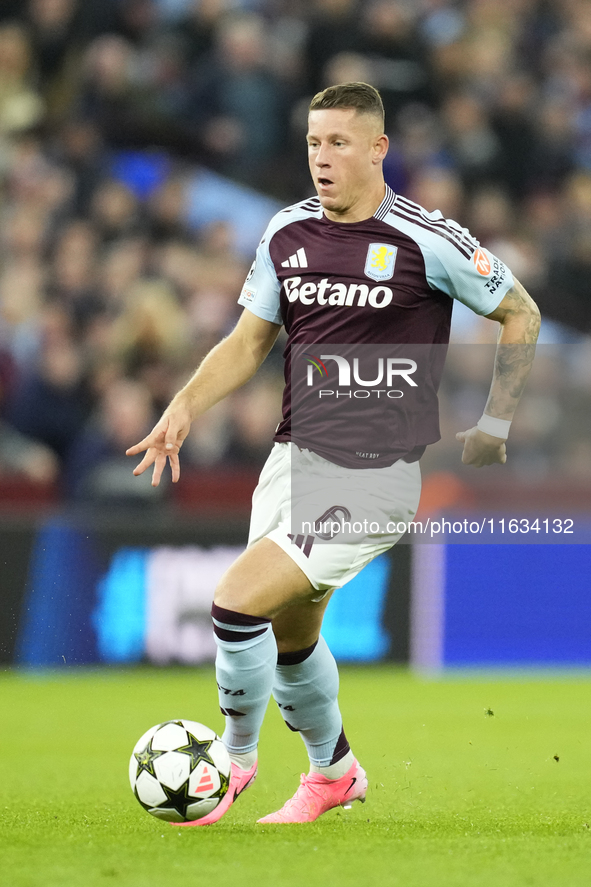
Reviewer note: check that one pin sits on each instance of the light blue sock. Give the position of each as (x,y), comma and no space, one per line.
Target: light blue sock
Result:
(245,669)
(306,688)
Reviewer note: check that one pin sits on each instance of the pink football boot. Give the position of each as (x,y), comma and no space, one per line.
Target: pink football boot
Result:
(240,780)
(317,794)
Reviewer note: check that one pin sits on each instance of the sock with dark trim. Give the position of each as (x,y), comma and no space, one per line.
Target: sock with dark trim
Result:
(245,670)
(306,688)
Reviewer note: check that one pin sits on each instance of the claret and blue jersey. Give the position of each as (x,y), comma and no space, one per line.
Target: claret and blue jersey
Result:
(388,280)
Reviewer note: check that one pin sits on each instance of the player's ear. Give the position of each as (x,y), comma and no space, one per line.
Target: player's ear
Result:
(380,147)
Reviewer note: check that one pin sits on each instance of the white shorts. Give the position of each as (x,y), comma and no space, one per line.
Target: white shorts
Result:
(330,520)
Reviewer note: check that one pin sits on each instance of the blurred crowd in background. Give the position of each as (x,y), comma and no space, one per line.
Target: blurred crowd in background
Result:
(145,143)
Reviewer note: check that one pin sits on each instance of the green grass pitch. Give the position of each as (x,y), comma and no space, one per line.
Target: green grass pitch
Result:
(473,782)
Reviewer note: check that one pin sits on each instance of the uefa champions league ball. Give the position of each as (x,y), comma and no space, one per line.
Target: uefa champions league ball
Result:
(179,771)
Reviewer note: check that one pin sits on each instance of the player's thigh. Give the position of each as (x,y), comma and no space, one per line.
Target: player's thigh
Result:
(263,581)
(271,497)
(298,626)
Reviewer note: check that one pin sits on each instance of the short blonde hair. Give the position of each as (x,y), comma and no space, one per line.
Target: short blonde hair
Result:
(359,96)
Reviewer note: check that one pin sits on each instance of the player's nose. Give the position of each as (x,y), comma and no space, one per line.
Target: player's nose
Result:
(321,159)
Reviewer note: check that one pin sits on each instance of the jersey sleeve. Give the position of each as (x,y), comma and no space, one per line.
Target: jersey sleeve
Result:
(478,278)
(260,293)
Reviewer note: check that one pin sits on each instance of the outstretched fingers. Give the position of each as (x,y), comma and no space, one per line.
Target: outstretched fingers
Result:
(148,460)
(162,445)
(155,438)
(159,464)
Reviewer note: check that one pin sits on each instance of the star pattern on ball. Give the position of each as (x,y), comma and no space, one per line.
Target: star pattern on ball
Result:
(145,760)
(197,751)
(178,800)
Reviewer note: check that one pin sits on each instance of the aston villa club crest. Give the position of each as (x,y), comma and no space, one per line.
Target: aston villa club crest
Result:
(381,258)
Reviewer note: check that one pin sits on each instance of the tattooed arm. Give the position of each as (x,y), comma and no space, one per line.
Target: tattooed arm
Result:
(520,324)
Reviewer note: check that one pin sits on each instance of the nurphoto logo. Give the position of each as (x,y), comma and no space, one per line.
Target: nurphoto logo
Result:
(388,371)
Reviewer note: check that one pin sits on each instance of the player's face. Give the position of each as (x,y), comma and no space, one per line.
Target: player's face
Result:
(345,153)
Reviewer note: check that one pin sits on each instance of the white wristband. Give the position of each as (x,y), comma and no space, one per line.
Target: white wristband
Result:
(493,426)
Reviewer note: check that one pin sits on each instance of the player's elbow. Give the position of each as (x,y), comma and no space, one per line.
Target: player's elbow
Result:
(519,315)
(523,326)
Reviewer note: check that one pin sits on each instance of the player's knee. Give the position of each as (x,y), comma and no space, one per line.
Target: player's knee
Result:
(239,598)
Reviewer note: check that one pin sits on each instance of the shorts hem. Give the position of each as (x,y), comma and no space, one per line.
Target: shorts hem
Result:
(298,557)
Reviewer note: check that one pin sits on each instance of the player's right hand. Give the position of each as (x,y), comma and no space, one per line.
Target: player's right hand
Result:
(162,444)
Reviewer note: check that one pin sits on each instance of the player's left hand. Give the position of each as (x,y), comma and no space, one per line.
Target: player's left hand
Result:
(481,449)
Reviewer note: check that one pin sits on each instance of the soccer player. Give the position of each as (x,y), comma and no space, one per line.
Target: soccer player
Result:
(357,266)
